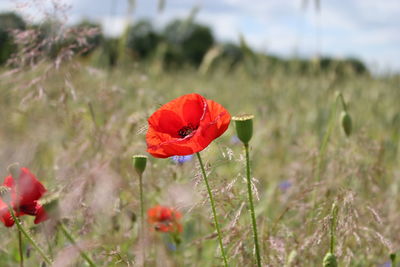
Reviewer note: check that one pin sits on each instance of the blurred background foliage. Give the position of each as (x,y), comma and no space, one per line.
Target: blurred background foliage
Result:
(182,42)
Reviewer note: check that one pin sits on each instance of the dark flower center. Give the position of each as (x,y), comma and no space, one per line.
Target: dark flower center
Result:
(186,130)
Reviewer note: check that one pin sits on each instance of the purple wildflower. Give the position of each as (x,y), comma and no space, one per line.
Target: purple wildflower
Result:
(181,159)
(235,140)
(285,185)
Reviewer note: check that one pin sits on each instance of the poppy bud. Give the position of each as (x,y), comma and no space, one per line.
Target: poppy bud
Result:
(15,170)
(393,258)
(139,162)
(329,260)
(244,127)
(346,123)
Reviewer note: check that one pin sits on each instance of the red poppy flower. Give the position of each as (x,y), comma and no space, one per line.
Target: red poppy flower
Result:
(185,125)
(164,219)
(24,193)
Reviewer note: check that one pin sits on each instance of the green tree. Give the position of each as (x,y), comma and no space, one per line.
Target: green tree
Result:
(142,39)
(8,22)
(187,41)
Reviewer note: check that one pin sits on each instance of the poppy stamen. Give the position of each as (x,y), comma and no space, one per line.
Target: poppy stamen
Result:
(186,130)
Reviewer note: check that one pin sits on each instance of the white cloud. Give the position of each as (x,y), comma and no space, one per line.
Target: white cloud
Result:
(113,26)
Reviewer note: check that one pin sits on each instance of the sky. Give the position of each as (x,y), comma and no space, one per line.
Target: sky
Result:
(366,29)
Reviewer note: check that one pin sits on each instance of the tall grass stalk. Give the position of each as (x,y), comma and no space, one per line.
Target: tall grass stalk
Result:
(325,140)
(322,152)
(70,237)
(221,245)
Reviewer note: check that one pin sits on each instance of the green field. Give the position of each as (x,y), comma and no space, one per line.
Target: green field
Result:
(77,128)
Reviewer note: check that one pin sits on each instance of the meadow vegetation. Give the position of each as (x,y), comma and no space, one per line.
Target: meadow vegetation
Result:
(76,125)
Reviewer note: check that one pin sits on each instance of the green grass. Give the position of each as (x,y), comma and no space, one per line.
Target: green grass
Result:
(87,157)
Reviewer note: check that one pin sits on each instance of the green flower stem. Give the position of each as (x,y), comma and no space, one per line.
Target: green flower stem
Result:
(324,145)
(334,214)
(343,102)
(213,208)
(28,236)
(321,153)
(141,200)
(21,253)
(69,236)
(142,215)
(252,213)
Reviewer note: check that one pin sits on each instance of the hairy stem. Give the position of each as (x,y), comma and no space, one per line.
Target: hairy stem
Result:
(251,207)
(22,229)
(142,216)
(213,209)
(334,214)
(21,253)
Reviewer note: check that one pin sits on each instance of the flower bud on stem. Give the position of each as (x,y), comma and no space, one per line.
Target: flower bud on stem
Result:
(244,127)
(330,258)
(244,130)
(393,258)
(139,163)
(345,118)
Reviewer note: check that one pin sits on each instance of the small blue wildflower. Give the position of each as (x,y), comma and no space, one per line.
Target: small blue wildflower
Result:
(181,159)
(285,185)
(235,140)
(171,246)
(386,264)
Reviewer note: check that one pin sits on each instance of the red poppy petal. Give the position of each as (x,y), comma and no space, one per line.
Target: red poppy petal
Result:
(220,117)
(166,214)
(29,188)
(161,146)
(194,109)
(166,121)
(41,214)
(5,216)
(163,228)
(205,119)
(180,227)
(153,213)
(8,181)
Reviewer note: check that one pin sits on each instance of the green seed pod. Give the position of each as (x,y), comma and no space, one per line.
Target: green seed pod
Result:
(346,123)
(244,127)
(393,258)
(139,162)
(329,260)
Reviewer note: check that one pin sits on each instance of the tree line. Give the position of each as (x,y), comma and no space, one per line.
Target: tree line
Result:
(182,42)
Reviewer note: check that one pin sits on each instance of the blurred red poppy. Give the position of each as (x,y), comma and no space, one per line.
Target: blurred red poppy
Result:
(24,195)
(164,219)
(185,125)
